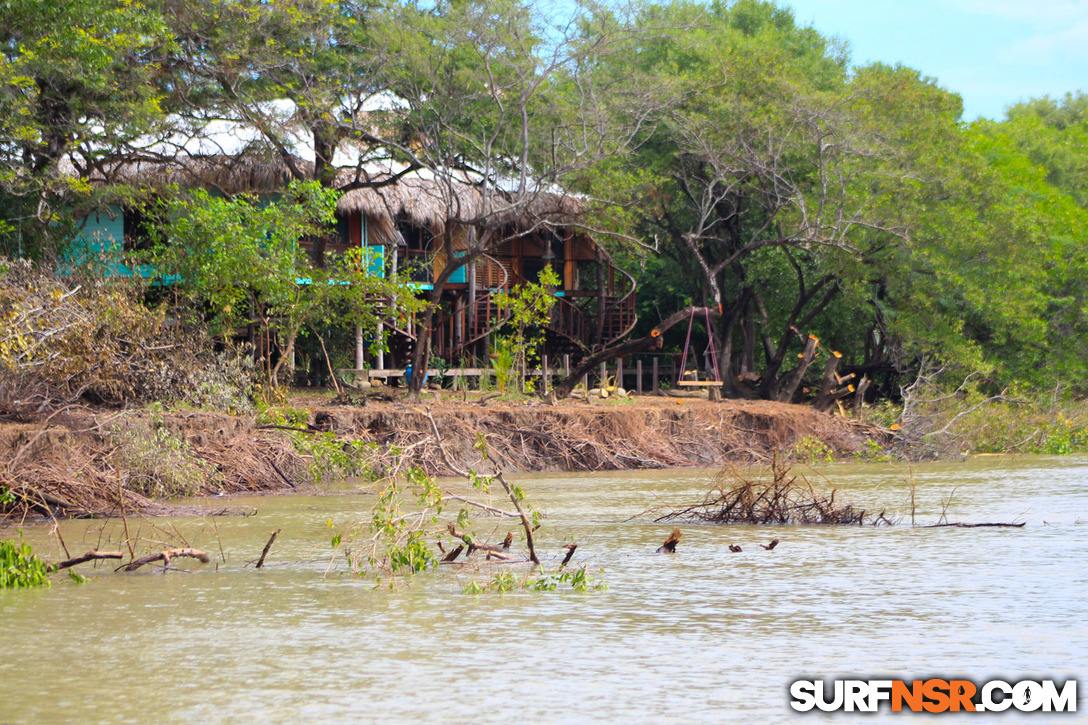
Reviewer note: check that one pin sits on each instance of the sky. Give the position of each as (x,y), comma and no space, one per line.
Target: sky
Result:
(993,53)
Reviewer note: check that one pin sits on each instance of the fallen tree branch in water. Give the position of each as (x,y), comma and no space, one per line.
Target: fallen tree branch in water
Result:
(770,495)
(492,549)
(524,519)
(669,547)
(452,556)
(260,562)
(974,526)
(477,504)
(571,548)
(166,556)
(89,556)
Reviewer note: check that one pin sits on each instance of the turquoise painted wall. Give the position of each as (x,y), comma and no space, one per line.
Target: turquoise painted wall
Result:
(374,259)
(458,276)
(101,243)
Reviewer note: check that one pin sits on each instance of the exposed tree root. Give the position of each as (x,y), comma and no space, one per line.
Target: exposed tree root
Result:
(82,464)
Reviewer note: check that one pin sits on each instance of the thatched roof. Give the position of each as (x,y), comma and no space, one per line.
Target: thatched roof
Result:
(426,202)
(420,197)
(439,203)
(229,174)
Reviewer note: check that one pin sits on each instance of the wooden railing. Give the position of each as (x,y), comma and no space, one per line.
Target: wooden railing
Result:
(569,318)
(616,318)
(570,321)
(491,273)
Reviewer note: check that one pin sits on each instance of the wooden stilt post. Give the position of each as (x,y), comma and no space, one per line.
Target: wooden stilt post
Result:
(359,359)
(619,373)
(638,376)
(381,351)
(655,386)
(544,373)
(566,365)
(604,372)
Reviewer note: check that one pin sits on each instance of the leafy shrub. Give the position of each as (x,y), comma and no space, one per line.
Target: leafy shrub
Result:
(872,451)
(160,464)
(812,450)
(19,567)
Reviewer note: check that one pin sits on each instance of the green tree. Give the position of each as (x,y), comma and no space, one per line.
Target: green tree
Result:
(529,305)
(77,91)
(507,111)
(241,261)
(307,77)
(757,174)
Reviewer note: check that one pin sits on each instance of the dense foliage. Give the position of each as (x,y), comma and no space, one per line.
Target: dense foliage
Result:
(19,567)
(783,188)
(800,197)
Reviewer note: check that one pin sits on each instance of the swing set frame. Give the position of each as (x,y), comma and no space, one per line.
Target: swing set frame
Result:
(717,381)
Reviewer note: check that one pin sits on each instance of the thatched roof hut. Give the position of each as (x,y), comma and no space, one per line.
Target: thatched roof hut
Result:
(436,203)
(424,199)
(231,175)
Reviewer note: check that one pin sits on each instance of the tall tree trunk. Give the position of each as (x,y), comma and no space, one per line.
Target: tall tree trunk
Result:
(602,298)
(786,387)
(421,351)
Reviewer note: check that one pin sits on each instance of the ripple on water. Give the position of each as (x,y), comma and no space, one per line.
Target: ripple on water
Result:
(704,635)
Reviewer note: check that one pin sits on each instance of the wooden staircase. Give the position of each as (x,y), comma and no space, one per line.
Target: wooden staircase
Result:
(575,327)
(482,317)
(588,331)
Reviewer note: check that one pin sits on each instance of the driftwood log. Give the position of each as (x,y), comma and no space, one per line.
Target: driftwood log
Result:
(166,556)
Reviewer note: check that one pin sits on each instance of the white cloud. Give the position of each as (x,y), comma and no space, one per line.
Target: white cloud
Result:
(1068,44)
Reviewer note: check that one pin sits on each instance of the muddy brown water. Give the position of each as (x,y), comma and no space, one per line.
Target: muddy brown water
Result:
(701,636)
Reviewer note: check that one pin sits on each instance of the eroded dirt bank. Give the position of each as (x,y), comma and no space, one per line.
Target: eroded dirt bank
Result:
(103,462)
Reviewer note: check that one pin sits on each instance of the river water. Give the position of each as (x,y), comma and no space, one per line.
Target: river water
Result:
(704,635)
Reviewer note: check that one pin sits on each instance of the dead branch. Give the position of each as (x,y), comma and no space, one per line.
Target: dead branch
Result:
(89,556)
(477,504)
(960,525)
(260,562)
(772,495)
(571,548)
(472,545)
(456,469)
(166,556)
(524,519)
(281,473)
